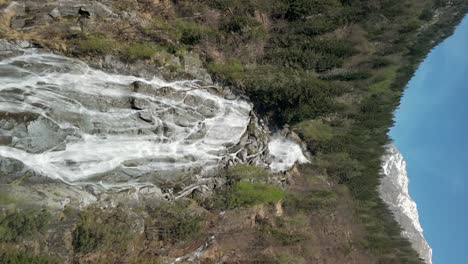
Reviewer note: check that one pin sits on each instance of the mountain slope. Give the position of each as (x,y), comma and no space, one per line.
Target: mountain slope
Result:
(394,192)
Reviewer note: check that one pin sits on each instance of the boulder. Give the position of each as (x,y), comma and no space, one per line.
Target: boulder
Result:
(55,13)
(15,8)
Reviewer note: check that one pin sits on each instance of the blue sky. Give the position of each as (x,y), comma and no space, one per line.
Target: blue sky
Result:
(431,131)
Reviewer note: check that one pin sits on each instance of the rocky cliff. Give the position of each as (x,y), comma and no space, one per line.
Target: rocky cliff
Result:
(394,192)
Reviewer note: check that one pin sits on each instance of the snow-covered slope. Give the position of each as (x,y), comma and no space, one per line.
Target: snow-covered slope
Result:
(394,191)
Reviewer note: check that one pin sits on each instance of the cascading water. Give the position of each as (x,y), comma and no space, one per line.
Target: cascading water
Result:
(67,121)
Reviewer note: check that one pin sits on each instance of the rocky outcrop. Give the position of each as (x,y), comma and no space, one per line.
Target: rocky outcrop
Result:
(30,14)
(118,136)
(394,191)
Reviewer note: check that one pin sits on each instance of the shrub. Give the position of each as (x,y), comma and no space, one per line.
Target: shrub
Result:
(186,32)
(310,201)
(175,222)
(299,9)
(347,76)
(314,132)
(100,231)
(245,171)
(339,166)
(287,238)
(23,224)
(143,50)
(22,258)
(97,44)
(248,194)
(232,71)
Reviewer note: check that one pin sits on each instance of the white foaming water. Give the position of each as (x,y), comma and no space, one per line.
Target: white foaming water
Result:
(72,122)
(285,153)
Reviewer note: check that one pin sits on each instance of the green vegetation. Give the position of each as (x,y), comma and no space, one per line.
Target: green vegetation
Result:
(21,258)
(309,202)
(248,193)
(99,232)
(23,224)
(97,44)
(332,69)
(246,172)
(143,50)
(309,64)
(175,222)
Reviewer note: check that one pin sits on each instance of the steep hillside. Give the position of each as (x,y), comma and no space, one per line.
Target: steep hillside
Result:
(326,74)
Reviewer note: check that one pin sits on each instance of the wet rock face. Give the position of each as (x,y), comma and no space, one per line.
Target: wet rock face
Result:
(394,192)
(66,121)
(79,135)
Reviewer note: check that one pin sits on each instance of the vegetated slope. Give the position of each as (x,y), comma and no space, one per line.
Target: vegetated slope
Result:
(333,70)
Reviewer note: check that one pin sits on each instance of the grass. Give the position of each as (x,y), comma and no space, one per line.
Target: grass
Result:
(247,172)
(23,224)
(175,222)
(186,32)
(310,201)
(314,130)
(144,50)
(230,71)
(97,44)
(383,80)
(6,199)
(100,231)
(248,194)
(23,258)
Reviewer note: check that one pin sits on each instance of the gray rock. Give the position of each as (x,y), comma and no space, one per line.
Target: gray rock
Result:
(55,13)
(74,30)
(101,10)
(18,23)
(16,8)
(10,170)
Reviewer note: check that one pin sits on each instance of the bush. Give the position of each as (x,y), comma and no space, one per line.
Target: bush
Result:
(339,166)
(314,130)
(310,201)
(347,76)
(299,9)
(232,71)
(175,222)
(143,50)
(290,96)
(245,171)
(23,224)
(185,32)
(287,238)
(100,231)
(97,44)
(22,258)
(244,26)
(248,194)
